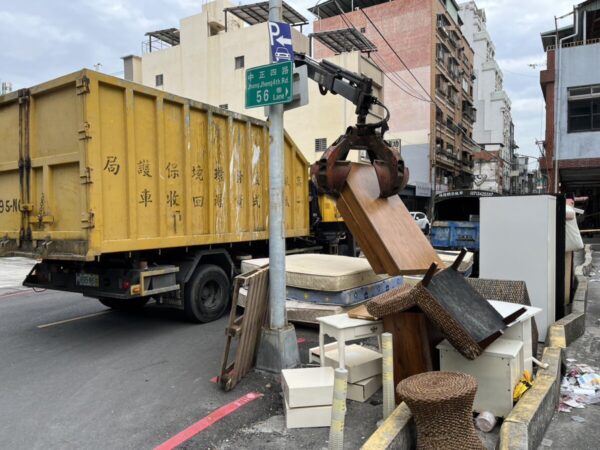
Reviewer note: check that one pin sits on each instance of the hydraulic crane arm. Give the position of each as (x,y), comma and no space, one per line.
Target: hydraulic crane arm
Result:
(331,171)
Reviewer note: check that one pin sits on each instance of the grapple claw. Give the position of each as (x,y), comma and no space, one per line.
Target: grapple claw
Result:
(331,171)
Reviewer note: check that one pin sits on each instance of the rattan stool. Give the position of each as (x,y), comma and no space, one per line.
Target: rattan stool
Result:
(442,405)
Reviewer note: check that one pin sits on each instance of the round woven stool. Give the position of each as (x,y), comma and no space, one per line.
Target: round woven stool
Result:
(442,405)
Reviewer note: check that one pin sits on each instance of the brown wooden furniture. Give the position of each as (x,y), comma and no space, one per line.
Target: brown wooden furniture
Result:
(390,238)
(247,327)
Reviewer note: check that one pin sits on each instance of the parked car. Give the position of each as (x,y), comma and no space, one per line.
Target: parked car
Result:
(422,221)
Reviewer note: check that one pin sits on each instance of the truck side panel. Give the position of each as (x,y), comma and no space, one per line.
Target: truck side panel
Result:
(120,167)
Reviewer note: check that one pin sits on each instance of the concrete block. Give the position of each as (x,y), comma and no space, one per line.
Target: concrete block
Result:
(564,331)
(277,350)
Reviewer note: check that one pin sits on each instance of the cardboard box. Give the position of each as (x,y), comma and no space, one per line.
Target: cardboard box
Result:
(307,387)
(362,390)
(313,353)
(308,417)
(361,362)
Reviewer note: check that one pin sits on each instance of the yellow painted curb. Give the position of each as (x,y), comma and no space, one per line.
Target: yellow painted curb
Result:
(394,429)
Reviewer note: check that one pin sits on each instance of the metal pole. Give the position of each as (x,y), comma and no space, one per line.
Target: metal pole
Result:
(276,204)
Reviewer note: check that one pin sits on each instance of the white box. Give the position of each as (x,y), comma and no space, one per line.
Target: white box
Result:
(497,371)
(361,362)
(313,353)
(307,387)
(518,242)
(309,417)
(362,390)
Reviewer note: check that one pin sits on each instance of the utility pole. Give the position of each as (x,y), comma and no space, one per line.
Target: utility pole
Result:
(278,346)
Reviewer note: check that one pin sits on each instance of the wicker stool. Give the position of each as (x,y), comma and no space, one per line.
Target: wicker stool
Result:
(442,405)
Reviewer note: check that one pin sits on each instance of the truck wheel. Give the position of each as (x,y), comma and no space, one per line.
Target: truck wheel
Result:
(206,294)
(132,304)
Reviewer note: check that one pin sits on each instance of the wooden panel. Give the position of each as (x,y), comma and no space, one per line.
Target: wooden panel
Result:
(384,229)
(414,340)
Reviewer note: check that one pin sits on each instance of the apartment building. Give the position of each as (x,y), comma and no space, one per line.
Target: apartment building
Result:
(493,127)
(428,85)
(206,57)
(571,88)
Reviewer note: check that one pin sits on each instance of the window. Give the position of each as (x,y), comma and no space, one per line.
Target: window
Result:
(320,144)
(239,62)
(159,80)
(584,109)
(363,30)
(224,106)
(439,115)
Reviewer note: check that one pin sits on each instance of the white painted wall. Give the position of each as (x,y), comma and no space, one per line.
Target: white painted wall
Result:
(579,66)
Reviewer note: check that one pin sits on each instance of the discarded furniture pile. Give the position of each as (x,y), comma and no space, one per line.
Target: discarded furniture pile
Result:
(455,345)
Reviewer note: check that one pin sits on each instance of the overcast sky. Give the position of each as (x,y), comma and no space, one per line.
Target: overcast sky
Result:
(44,39)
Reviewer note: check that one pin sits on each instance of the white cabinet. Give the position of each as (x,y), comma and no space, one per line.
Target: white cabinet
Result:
(497,371)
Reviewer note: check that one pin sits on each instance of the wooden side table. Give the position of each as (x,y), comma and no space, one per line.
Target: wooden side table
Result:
(343,328)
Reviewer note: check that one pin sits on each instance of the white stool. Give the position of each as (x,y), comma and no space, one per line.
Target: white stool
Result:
(343,328)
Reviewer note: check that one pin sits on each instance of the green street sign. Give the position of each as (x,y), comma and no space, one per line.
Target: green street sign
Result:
(269,84)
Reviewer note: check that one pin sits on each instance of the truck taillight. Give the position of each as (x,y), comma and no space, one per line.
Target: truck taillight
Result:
(126,284)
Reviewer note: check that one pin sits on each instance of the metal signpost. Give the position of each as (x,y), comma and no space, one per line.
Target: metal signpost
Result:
(278,346)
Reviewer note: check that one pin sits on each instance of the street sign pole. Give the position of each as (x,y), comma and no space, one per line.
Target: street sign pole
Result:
(278,347)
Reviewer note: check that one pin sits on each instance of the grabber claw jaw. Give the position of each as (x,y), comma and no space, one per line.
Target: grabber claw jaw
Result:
(330,176)
(392,177)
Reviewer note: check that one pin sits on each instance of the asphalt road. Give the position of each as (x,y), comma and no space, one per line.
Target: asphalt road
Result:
(115,380)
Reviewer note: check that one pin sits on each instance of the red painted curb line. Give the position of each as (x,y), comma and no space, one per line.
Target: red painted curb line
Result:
(207,421)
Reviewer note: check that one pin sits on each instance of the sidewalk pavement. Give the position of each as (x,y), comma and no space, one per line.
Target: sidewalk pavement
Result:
(580,428)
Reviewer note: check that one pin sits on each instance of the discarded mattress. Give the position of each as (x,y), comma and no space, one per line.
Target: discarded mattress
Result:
(345,298)
(332,273)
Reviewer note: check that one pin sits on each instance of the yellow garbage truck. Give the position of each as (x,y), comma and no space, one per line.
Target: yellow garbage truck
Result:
(126,193)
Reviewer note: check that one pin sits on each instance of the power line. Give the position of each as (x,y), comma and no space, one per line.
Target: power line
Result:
(397,55)
(397,85)
(413,93)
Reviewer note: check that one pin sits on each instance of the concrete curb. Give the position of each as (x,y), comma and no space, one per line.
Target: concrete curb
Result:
(396,432)
(524,427)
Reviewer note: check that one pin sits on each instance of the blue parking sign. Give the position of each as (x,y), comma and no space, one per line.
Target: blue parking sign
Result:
(280,35)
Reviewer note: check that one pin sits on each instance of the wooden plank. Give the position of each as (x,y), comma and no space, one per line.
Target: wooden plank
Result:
(246,328)
(360,312)
(414,339)
(384,229)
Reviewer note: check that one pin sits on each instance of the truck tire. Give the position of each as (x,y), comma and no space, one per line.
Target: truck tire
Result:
(206,294)
(132,304)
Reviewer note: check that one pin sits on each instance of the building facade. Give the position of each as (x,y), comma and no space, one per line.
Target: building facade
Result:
(571,88)
(205,59)
(428,85)
(493,124)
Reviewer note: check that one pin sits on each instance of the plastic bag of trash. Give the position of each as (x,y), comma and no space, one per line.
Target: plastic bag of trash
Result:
(522,386)
(573,239)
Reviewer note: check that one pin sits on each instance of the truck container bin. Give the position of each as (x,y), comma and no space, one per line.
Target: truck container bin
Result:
(92,165)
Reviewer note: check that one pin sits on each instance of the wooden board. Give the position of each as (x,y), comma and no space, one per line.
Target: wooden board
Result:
(247,327)
(414,339)
(360,312)
(466,306)
(390,238)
